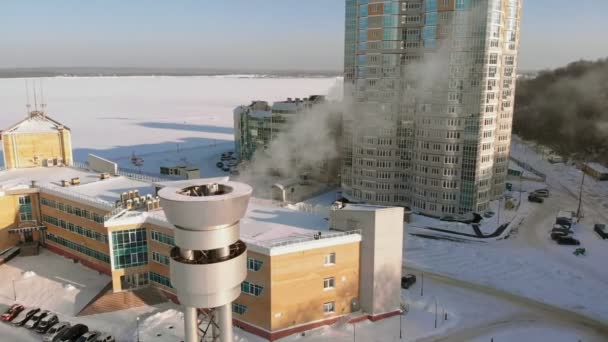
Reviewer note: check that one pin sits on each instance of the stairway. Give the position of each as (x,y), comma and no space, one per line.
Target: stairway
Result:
(109,301)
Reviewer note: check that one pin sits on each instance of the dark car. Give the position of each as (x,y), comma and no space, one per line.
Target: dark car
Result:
(535,199)
(33,322)
(72,334)
(46,323)
(408,281)
(568,240)
(225,169)
(90,336)
(558,228)
(601,230)
(12,312)
(21,320)
(55,331)
(558,235)
(219,164)
(105,338)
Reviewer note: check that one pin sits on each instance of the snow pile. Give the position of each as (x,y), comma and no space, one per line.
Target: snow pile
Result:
(29,274)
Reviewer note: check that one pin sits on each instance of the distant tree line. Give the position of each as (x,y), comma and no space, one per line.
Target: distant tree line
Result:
(566,109)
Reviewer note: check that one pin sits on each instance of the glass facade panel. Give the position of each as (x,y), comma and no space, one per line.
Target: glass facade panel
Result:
(130,248)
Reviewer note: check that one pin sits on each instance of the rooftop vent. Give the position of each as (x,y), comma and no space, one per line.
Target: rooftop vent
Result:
(212,189)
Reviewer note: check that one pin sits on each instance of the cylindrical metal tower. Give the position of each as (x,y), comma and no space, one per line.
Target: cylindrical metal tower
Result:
(208,263)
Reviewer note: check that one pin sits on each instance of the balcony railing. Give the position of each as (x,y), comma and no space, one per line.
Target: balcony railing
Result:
(322,236)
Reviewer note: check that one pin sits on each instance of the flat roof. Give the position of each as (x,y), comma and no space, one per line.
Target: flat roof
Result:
(266,227)
(91,185)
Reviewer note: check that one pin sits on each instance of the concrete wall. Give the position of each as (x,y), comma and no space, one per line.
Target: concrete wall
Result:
(101,165)
(381,253)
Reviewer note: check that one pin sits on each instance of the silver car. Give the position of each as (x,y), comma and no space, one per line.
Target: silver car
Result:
(55,331)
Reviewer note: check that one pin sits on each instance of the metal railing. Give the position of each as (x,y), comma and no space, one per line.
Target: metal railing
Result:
(113,213)
(74,196)
(80,165)
(147,177)
(322,236)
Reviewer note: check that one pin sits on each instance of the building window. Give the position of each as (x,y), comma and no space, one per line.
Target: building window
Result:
(79,248)
(160,258)
(160,279)
(130,248)
(253,264)
(239,308)
(329,283)
(25,208)
(330,259)
(329,307)
(162,238)
(252,289)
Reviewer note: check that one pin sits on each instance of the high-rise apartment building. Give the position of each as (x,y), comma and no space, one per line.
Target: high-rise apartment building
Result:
(432,84)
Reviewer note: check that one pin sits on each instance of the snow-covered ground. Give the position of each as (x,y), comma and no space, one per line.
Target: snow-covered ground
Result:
(50,281)
(116,116)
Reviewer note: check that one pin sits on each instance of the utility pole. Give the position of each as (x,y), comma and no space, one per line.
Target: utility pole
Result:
(422,285)
(580,197)
(435,312)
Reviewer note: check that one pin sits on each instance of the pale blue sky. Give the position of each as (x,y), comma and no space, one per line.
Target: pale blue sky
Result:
(252,34)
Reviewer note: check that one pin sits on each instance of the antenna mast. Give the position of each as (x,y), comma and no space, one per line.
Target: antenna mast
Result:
(42,105)
(35,100)
(27,96)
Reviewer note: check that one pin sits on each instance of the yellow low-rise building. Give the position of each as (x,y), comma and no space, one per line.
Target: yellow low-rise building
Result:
(300,273)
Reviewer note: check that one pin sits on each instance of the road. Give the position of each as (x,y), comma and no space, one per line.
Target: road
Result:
(532,312)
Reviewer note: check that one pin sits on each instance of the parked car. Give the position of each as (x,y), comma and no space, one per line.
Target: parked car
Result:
(601,230)
(33,322)
(568,240)
(46,323)
(55,331)
(105,338)
(489,214)
(12,312)
(89,336)
(535,199)
(219,164)
(558,235)
(73,333)
(408,281)
(22,319)
(561,228)
(225,169)
(541,192)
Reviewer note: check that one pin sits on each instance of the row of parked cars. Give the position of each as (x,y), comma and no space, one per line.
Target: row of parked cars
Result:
(228,162)
(562,229)
(47,323)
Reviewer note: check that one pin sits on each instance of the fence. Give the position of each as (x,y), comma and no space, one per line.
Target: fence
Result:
(74,196)
(321,236)
(529,168)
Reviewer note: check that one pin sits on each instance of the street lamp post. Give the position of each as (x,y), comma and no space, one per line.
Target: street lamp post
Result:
(14,291)
(137,328)
(422,285)
(435,312)
(580,197)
